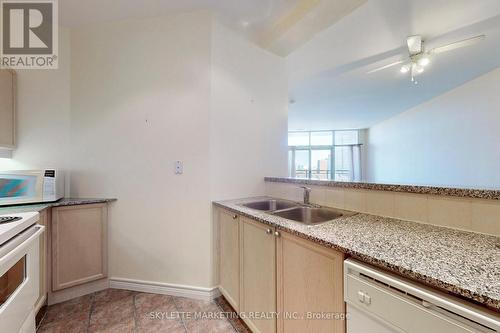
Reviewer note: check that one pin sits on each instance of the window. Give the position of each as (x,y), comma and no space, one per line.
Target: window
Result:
(322,138)
(298,139)
(301,163)
(327,155)
(12,279)
(321,164)
(346,137)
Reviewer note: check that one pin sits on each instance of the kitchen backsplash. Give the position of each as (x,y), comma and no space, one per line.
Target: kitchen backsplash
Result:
(478,215)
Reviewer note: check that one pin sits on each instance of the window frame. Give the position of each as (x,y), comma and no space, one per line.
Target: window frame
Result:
(331,148)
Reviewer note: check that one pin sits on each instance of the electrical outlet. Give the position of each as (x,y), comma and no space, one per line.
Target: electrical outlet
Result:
(178,168)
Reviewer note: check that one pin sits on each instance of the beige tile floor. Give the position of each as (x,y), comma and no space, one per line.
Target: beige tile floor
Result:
(114,310)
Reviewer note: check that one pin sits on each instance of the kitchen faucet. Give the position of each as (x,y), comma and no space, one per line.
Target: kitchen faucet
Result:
(307,192)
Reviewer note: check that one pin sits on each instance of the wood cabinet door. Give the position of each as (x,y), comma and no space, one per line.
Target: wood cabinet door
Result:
(79,245)
(310,282)
(229,257)
(7,108)
(258,275)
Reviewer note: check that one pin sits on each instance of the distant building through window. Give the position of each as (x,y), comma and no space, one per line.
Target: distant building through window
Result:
(327,155)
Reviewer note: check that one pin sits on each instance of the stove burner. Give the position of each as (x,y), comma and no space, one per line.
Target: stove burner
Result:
(8,219)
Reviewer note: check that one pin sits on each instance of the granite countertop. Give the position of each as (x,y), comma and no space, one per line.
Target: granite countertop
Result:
(41,206)
(463,263)
(487,194)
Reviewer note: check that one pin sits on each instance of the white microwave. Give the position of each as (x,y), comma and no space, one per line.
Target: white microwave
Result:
(22,187)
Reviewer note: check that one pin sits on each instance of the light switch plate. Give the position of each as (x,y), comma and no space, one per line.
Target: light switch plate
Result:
(178,168)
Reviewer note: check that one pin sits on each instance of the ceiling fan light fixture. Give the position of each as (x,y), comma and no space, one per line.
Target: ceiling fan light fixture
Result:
(415,44)
(424,61)
(420,58)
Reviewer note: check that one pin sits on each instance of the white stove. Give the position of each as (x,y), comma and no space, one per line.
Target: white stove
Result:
(20,221)
(19,271)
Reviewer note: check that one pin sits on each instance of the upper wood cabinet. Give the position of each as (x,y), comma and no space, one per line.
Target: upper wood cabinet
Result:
(7,109)
(229,257)
(258,275)
(79,245)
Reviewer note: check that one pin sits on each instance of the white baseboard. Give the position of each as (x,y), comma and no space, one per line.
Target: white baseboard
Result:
(206,294)
(77,291)
(41,302)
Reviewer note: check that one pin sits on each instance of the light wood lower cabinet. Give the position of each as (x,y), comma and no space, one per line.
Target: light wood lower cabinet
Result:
(79,245)
(229,258)
(310,284)
(258,275)
(279,273)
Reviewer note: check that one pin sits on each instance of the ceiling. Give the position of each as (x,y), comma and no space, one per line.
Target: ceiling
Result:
(304,21)
(256,13)
(253,17)
(328,81)
(280,26)
(329,46)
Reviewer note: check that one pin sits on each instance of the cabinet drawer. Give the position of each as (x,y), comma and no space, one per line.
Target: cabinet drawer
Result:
(400,310)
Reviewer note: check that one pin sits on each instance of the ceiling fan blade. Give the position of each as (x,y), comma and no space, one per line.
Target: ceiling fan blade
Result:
(386,66)
(414,44)
(456,45)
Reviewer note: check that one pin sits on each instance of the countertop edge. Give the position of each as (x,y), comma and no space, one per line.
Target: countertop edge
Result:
(80,201)
(38,207)
(492,304)
(488,194)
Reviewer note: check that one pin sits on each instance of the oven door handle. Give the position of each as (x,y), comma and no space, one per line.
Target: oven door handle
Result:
(37,231)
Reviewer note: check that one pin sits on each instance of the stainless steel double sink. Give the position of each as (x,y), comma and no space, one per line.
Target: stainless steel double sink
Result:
(307,214)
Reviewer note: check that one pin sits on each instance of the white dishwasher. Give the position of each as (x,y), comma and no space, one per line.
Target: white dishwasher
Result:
(381,302)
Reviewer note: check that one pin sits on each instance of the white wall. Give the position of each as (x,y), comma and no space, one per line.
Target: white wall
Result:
(134,96)
(140,101)
(450,140)
(43,115)
(248,121)
(149,92)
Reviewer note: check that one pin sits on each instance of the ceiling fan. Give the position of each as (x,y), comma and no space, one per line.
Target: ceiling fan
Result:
(419,58)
